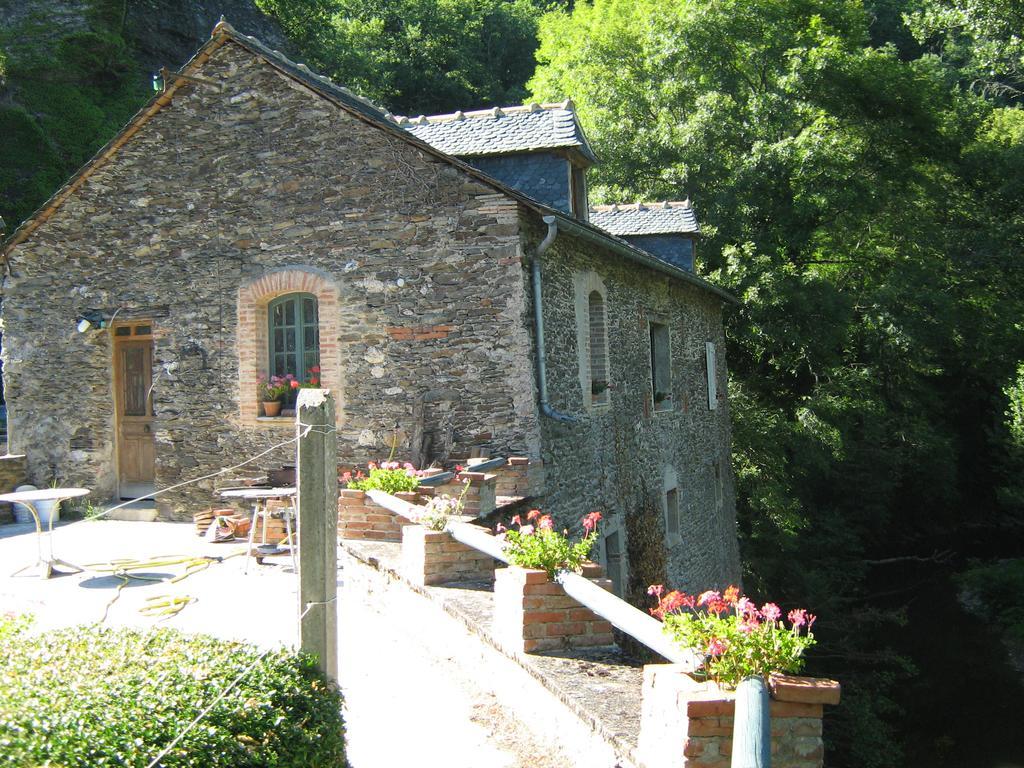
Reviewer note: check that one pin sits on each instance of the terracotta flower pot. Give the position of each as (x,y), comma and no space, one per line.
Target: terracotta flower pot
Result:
(272,408)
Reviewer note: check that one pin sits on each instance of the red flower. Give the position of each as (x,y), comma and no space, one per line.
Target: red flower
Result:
(517,520)
(590,521)
(533,514)
(716,647)
(315,369)
(732,594)
(705,598)
(294,384)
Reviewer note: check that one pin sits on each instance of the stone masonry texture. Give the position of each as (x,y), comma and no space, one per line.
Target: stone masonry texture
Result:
(606,458)
(219,190)
(229,197)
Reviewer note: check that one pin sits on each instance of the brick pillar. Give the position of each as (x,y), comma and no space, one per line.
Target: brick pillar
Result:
(435,557)
(534,614)
(360,518)
(687,723)
(479,499)
(521,476)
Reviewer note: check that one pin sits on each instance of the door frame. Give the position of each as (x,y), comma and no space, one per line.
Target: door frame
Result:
(136,330)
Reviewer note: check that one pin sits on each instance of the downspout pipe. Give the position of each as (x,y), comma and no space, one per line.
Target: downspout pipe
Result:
(538,323)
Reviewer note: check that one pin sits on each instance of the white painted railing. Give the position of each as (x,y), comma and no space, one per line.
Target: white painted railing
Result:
(641,626)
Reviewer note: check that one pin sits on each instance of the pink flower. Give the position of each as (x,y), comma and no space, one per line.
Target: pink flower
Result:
(371,465)
(408,465)
(656,590)
(590,521)
(499,528)
(706,597)
(458,467)
(771,612)
(294,384)
(533,514)
(346,476)
(798,617)
(811,618)
(526,530)
(517,520)
(546,523)
(717,646)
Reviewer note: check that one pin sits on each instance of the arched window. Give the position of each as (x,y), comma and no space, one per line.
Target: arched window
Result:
(598,348)
(294,336)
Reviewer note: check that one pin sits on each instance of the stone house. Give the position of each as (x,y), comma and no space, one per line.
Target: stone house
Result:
(439,274)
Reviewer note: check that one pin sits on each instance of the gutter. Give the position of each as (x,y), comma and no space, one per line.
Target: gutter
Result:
(538,322)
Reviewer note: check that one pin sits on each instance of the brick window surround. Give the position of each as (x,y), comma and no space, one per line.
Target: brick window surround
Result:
(592,336)
(253,300)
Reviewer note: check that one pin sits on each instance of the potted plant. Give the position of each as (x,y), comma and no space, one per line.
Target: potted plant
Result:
(532,612)
(271,391)
(735,638)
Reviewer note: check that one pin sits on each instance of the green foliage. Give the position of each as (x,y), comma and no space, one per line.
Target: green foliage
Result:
(1000,588)
(89,697)
(418,56)
(388,480)
(70,95)
(735,638)
(537,545)
(863,204)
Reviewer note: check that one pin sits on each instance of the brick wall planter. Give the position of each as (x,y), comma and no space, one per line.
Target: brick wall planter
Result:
(360,518)
(435,557)
(534,614)
(480,497)
(687,723)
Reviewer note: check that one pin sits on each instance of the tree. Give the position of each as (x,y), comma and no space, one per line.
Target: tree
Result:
(860,204)
(418,56)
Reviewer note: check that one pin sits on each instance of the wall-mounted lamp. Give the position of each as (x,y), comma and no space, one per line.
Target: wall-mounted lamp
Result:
(88,320)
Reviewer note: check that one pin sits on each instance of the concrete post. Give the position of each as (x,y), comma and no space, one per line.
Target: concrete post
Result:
(317,481)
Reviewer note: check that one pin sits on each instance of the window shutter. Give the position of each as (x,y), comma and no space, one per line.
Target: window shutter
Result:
(709,350)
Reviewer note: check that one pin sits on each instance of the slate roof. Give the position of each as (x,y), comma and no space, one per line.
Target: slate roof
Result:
(502,129)
(645,218)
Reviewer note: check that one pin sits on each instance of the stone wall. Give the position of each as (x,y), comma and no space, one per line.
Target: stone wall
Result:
(612,453)
(219,190)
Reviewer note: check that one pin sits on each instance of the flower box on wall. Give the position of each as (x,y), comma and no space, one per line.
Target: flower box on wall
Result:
(532,613)
(686,722)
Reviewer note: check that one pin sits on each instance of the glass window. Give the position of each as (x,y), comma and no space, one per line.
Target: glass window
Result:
(661,371)
(294,337)
(598,349)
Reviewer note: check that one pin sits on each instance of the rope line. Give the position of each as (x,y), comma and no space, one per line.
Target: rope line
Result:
(196,720)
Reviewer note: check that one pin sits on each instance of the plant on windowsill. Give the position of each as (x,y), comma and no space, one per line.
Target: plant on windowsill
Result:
(660,398)
(539,546)
(598,388)
(272,391)
(736,639)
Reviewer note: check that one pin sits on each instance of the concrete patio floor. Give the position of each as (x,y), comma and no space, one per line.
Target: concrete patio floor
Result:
(396,678)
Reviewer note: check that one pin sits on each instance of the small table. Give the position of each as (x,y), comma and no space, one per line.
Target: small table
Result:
(259,498)
(29,500)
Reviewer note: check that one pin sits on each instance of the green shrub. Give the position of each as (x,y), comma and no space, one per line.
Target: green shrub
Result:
(93,697)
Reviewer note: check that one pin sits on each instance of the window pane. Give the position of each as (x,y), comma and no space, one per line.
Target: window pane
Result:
(294,335)
(661,372)
(672,512)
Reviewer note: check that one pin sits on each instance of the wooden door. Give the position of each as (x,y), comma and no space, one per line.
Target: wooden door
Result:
(133,375)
